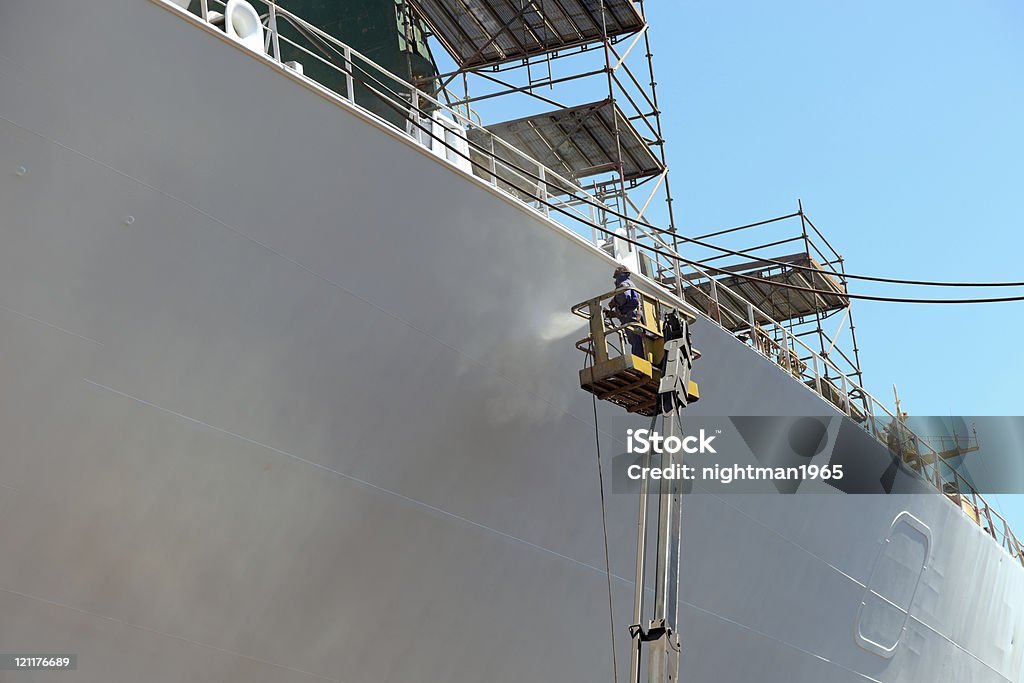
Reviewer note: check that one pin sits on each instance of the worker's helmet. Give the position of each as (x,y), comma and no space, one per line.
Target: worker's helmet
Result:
(621,270)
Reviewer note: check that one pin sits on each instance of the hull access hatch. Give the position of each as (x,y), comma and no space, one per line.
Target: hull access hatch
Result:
(578,142)
(482,33)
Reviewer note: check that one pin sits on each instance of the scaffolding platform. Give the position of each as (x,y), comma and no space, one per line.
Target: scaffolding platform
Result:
(780,302)
(577,142)
(481,33)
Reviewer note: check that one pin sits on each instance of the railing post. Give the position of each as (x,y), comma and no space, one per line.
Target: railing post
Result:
(753,326)
(350,92)
(422,136)
(785,351)
(204,10)
(678,274)
(591,217)
(991,526)
(846,395)
(492,163)
(717,313)
(272,22)
(542,192)
(870,420)
(817,375)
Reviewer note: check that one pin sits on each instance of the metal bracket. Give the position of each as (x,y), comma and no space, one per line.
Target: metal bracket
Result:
(678,363)
(657,630)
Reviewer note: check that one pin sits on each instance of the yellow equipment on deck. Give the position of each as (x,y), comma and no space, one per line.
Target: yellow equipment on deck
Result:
(616,374)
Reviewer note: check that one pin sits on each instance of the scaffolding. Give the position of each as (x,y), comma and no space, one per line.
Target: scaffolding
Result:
(532,50)
(613,146)
(481,33)
(777,277)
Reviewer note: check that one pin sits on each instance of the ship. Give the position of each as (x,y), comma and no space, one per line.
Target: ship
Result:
(290,390)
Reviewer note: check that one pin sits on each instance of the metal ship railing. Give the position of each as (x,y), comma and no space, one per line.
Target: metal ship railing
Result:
(474,149)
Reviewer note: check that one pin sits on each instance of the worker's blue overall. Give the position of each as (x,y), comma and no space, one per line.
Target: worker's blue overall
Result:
(626,307)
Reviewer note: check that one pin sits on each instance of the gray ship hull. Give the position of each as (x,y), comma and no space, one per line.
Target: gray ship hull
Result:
(283,397)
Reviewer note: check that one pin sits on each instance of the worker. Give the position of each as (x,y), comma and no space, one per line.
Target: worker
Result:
(625,307)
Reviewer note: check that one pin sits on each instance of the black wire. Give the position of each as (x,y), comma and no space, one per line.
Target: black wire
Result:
(669,255)
(840,274)
(604,529)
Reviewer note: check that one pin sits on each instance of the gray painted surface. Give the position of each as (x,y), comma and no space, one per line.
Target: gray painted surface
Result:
(312,412)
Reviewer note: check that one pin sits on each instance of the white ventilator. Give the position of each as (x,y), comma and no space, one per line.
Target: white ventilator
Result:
(449,141)
(242,23)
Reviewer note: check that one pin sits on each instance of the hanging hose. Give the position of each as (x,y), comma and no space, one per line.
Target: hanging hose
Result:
(604,530)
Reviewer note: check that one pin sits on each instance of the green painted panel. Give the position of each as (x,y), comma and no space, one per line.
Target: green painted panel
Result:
(382,30)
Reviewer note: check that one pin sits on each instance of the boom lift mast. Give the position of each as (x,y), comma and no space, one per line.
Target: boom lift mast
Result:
(657,384)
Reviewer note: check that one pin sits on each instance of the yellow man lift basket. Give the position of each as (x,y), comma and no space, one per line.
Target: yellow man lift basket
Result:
(615,374)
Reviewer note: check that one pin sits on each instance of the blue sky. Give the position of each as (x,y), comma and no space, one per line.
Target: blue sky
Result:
(900,127)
